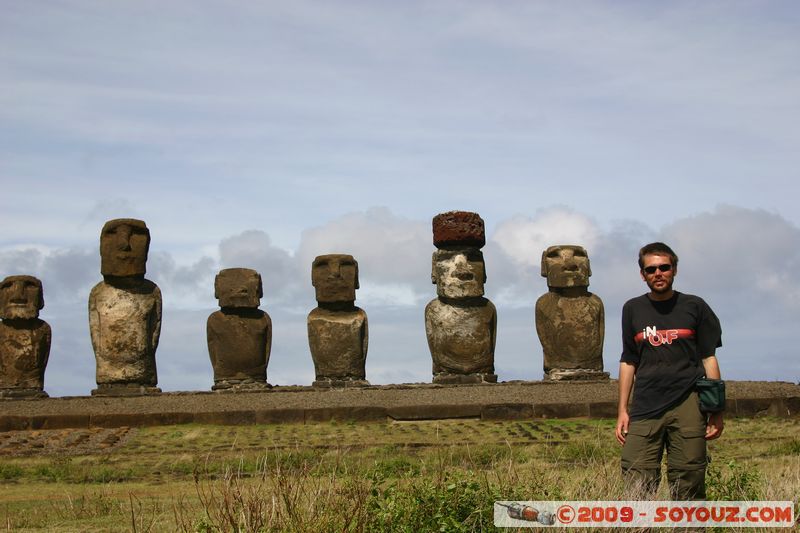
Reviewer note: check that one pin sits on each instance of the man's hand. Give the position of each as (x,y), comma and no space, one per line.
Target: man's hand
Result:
(622,427)
(714,426)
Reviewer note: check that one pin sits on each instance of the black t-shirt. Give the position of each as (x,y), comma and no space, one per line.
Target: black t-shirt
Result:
(667,342)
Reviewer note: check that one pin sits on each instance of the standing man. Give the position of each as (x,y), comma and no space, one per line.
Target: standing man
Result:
(669,341)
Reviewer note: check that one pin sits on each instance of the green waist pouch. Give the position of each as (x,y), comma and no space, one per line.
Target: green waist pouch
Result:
(712,395)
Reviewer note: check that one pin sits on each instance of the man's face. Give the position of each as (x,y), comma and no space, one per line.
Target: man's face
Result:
(566,266)
(458,273)
(123,250)
(20,297)
(238,287)
(658,280)
(335,278)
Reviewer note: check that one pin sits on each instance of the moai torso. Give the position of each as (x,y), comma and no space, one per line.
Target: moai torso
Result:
(239,334)
(570,321)
(125,312)
(571,330)
(24,338)
(338,333)
(461,337)
(125,325)
(460,323)
(338,342)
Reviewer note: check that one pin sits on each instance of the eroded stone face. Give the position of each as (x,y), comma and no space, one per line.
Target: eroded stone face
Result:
(566,266)
(459,273)
(21,297)
(124,243)
(335,278)
(238,288)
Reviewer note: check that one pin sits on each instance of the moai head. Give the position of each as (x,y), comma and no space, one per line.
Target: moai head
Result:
(238,287)
(566,265)
(458,273)
(335,278)
(124,243)
(457,266)
(20,297)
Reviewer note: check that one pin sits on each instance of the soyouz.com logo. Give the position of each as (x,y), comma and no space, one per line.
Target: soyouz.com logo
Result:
(643,514)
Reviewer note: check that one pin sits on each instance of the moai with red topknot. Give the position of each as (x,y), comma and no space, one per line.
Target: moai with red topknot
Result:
(460,323)
(125,313)
(570,320)
(239,335)
(24,338)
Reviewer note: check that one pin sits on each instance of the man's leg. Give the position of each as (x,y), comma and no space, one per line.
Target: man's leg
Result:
(641,458)
(686,450)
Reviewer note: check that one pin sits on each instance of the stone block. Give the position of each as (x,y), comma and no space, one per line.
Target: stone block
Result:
(356,414)
(432,412)
(561,410)
(507,411)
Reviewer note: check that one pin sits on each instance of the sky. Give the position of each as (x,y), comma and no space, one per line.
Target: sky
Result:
(262,134)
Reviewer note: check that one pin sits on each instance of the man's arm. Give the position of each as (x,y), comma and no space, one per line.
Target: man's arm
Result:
(626,372)
(715,424)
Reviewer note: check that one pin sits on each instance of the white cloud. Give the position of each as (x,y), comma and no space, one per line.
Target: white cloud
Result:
(393,253)
(525,238)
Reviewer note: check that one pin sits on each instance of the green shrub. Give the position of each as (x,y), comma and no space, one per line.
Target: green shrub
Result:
(733,482)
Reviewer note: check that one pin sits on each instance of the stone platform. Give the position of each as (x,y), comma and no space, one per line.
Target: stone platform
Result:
(423,401)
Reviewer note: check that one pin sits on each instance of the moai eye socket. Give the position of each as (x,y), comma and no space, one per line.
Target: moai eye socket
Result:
(554,254)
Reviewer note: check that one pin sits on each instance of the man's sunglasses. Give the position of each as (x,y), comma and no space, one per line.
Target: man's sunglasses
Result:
(663,268)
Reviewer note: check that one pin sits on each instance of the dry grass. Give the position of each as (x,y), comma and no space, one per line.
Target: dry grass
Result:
(358,477)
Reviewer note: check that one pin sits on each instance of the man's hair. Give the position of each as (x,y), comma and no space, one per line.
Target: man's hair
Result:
(657,248)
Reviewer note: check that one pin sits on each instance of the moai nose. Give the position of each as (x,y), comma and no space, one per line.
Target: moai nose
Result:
(18,292)
(335,270)
(124,238)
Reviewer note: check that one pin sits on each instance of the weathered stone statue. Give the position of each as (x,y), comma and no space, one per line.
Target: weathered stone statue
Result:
(337,329)
(24,338)
(570,320)
(460,323)
(125,312)
(239,334)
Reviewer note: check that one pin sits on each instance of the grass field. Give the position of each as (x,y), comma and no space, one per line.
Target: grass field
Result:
(395,476)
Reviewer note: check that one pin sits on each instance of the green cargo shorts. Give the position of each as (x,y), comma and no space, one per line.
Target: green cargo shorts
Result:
(681,431)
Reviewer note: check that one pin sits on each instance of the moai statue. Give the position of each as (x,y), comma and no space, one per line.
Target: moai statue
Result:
(337,329)
(125,313)
(570,320)
(460,323)
(239,334)
(24,338)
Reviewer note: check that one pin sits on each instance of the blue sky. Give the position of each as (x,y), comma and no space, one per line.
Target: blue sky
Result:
(263,134)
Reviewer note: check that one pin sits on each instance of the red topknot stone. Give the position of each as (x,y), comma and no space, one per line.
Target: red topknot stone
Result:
(458,228)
